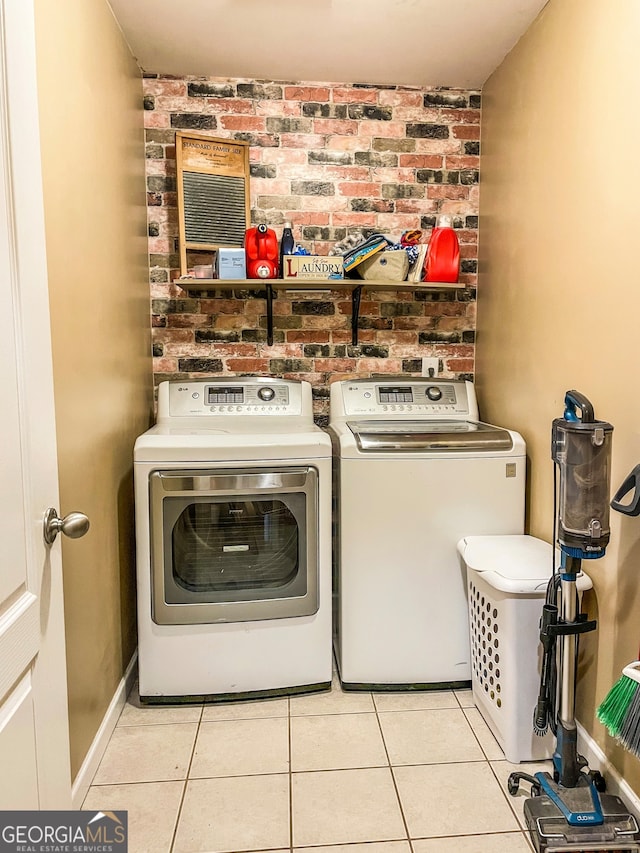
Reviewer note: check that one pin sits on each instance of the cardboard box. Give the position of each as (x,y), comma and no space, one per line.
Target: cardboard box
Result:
(312,266)
(231,263)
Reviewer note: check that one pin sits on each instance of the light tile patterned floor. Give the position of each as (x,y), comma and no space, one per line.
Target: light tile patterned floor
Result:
(330,773)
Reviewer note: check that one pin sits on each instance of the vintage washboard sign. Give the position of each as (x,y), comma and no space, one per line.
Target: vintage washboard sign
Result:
(213,193)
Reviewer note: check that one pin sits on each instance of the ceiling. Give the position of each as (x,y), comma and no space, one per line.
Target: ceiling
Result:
(455,43)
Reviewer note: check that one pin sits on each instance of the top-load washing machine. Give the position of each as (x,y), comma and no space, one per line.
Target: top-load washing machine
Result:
(415,471)
(233,528)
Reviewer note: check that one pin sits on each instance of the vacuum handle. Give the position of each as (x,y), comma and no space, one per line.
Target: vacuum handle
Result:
(631,482)
(575,400)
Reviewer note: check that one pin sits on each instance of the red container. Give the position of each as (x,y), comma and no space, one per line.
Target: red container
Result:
(443,256)
(261,249)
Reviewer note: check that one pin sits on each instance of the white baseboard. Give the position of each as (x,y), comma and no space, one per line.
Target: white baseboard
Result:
(598,761)
(90,764)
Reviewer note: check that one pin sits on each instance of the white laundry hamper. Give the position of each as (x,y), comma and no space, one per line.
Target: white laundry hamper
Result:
(507,579)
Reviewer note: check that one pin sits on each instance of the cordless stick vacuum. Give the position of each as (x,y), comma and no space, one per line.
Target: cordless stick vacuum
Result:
(568,810)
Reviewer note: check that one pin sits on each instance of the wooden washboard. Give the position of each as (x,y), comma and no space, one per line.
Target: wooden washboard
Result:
(213,193)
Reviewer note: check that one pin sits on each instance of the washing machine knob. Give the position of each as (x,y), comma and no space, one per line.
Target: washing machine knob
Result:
(266,394)
(433,392)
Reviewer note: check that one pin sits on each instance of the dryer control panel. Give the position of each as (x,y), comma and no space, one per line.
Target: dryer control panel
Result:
(231,397)
(379,398)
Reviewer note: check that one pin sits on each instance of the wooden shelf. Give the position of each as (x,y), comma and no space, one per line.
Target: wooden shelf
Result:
(310,284)
(352,285)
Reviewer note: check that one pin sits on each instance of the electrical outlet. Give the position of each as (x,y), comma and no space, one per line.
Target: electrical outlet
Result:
(430,367)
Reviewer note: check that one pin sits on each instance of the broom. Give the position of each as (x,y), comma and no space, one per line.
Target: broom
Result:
(620,709)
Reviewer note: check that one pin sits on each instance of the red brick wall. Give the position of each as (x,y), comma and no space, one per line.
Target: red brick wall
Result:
(334,159)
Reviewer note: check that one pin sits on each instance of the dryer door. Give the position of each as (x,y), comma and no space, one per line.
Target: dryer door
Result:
(234,545)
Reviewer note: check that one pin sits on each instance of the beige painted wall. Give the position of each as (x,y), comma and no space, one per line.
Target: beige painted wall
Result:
(559,298)
(94,193)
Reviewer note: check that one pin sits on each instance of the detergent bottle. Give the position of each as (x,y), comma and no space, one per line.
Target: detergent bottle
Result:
(261,249)
(443,253)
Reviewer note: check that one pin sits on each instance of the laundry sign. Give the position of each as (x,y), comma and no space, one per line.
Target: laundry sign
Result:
(312,266)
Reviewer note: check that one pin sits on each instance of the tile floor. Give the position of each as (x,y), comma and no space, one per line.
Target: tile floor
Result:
(336,772)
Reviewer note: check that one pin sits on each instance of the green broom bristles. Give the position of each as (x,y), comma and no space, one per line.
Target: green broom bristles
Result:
(630,732)
(620,709)
(613,709)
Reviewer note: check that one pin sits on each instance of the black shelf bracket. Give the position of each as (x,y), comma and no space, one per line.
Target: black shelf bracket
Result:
(356,295)
(269,315)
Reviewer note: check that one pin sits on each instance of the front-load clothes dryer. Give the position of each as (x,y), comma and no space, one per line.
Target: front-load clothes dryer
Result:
(415,470)
(233,528)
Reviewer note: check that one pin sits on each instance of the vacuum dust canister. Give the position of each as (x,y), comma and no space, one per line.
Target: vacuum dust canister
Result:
(582,450)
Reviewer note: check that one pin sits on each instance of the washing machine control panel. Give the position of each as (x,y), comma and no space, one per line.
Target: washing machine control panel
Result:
(430,397)
(267,397)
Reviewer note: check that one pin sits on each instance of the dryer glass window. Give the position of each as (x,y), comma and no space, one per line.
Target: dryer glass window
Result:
(235,545)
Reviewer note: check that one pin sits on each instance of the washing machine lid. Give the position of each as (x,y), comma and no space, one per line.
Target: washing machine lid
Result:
(446,435)
(519,564)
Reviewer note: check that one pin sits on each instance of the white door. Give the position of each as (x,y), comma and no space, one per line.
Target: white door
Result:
(34,737)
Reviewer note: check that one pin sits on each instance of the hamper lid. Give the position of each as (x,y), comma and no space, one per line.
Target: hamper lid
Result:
(518,564)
